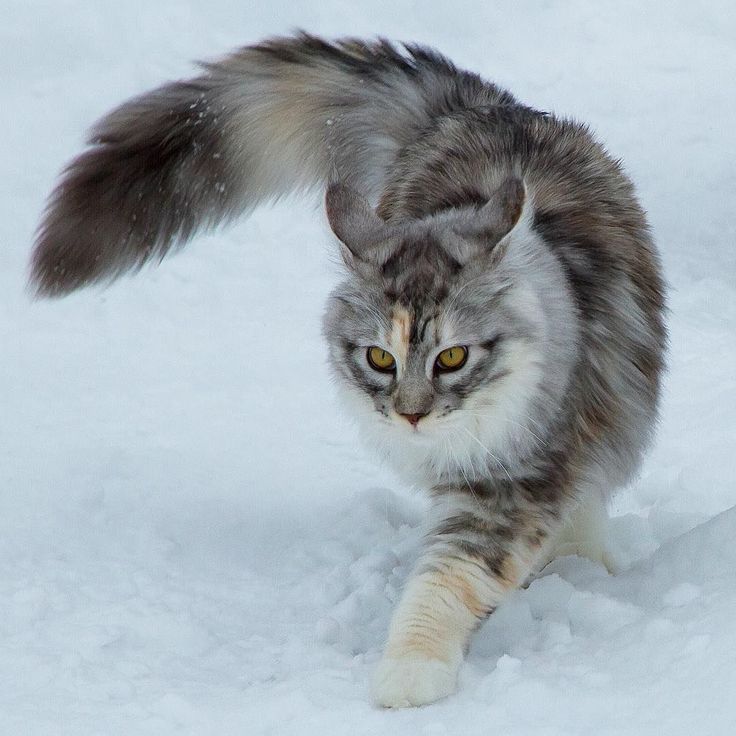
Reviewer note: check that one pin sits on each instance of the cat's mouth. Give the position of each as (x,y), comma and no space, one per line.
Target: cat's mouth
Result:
(420,428)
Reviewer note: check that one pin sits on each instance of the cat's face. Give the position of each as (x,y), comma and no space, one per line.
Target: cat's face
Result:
(438,344)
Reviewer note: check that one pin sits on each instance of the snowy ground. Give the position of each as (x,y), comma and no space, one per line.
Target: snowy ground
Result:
(192,541)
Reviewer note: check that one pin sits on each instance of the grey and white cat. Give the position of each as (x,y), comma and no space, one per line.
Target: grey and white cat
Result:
(498,333)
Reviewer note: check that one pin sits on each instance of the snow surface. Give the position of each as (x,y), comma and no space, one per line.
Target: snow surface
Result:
(191,539)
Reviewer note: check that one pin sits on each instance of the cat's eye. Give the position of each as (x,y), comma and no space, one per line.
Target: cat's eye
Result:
(452,358)
(381,360)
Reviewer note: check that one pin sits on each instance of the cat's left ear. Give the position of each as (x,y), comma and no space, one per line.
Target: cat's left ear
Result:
(356,224)
(490,224)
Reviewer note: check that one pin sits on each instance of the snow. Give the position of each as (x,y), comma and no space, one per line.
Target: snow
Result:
(192,540)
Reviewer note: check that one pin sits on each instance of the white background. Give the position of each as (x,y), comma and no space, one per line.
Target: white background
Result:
(191,539)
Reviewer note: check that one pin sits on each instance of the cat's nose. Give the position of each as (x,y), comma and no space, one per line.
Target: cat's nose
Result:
(413,419)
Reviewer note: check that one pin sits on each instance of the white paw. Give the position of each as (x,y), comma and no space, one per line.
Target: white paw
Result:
(407,681)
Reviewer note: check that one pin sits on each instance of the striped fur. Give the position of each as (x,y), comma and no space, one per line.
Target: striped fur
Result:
(497,227)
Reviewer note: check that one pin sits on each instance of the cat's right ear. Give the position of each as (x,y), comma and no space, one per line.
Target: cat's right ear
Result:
(356,224)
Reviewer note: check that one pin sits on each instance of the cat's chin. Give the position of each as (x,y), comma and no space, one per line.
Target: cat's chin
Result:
(420,456)
(426,431)
(430,432)
(439,449)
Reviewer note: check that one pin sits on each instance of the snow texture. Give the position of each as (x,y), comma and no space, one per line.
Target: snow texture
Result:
(192,541)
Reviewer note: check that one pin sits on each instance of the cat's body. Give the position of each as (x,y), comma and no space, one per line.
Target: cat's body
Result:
(499,332)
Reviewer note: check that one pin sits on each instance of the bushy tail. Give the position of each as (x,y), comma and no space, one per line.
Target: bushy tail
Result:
(280,116)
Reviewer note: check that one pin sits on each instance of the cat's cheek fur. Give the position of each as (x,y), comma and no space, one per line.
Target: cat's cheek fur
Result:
(499,414)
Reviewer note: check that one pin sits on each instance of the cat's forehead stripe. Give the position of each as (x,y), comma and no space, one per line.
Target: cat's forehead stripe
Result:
(401,326)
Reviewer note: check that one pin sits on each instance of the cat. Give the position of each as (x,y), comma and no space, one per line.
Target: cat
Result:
(499,332)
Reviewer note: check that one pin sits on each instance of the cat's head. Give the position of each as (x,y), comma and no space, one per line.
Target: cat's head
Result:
(452,335)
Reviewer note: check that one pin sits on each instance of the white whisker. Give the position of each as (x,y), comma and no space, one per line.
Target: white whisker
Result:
(478,413)
(503,467)
(467,481)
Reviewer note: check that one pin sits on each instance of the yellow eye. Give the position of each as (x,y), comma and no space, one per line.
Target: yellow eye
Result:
(381,360)
(452,358)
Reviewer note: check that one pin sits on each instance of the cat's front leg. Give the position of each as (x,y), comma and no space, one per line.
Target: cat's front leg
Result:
(478,551)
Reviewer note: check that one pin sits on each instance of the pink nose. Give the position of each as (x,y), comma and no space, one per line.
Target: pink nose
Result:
(413,419)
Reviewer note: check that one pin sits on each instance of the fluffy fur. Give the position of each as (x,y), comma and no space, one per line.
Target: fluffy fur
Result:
(498,228)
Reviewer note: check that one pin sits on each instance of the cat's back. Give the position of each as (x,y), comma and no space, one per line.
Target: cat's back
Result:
(584,204)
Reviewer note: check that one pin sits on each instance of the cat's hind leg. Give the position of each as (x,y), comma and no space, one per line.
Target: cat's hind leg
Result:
(586,533)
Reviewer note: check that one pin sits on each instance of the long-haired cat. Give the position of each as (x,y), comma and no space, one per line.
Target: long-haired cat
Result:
(498,333)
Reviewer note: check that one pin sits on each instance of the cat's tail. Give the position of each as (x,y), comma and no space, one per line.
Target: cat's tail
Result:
(281,116)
